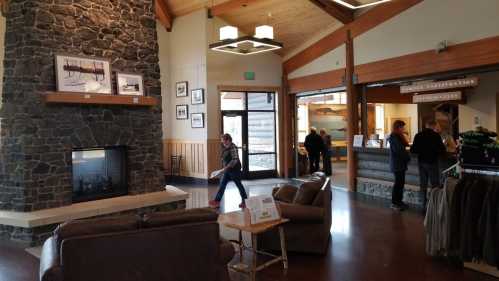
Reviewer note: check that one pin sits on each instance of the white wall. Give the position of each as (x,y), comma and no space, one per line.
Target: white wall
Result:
(481,104)
(164,67)
(402,111)
(332,60)
(228,69)
(421,27)
(186,61)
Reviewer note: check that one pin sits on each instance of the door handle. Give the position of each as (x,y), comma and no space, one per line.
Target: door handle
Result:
(245,147)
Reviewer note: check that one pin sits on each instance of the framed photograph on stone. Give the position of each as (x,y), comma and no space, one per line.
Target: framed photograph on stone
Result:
(182,112)
(197,96)
(129,84)
(83,74)
(181,88)
(197,120)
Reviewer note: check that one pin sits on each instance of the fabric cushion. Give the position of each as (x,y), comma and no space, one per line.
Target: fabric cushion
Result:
(319,199)
(307,192)
(302,214)
(95,226)
(159,219)
(286,193)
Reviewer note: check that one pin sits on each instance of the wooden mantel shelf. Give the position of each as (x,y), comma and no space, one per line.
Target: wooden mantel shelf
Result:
(85,98)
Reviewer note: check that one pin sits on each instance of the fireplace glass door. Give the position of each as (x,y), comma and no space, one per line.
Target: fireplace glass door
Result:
(99,173)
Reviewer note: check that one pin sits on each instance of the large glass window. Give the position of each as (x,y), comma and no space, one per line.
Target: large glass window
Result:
(251,117)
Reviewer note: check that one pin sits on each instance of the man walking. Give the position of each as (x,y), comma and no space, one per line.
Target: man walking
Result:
(314,145)
(231,172)
(399,158)
(428,145)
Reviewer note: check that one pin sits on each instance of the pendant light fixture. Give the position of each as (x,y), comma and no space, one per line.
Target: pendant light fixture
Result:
(348,4)
(262,41)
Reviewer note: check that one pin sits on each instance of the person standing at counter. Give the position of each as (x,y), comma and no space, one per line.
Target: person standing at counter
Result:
(314,146)
(428,145)
(326,152)
(399,158)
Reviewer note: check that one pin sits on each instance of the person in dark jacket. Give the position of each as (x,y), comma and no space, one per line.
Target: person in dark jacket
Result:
(326,152)
(399,158)
(231,171)
(428,145)
(314,145)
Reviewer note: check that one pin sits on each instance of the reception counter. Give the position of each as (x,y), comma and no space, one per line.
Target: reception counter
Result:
(375,178)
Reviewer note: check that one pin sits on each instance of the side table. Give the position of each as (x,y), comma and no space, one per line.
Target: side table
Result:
(236,220)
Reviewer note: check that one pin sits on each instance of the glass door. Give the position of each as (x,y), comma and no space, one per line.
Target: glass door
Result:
(250,119)
(232,123)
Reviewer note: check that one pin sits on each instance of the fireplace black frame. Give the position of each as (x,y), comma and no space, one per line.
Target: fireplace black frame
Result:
(122,190)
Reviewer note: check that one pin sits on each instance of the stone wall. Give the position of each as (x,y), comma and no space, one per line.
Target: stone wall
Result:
(37,138)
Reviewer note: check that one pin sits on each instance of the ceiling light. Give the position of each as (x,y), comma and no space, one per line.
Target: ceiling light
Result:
(228,32)
(348,5)
(264,31)
(246,45)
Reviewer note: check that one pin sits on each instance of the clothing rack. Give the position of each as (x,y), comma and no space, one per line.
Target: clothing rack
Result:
(486,171)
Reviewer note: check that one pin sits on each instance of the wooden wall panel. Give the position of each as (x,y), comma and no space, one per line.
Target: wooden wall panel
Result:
(478,53)
(324,80)
(193,157)
(213,153)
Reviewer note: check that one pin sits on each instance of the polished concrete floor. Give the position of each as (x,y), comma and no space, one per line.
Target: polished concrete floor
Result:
(369,243)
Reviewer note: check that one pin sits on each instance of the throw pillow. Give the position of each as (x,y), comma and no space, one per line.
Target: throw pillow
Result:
(286,193)
(307,192)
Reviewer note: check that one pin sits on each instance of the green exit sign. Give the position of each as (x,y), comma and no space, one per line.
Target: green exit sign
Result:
(249,75)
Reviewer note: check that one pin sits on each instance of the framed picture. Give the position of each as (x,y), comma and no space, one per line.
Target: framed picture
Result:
(197,96)
(182,112)
(129,84)
(197,120)
(181,89)
(83,74)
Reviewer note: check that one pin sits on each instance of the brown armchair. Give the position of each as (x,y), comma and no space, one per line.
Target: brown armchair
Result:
(178,245)
(309,228)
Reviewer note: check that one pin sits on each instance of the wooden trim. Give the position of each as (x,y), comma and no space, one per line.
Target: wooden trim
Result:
(319,48)
(84,98)
(324,80)
(364,23)
(244,88)
(484,52)
(229,6)
(342,14)
(379,15)
(387,94)
(163,14)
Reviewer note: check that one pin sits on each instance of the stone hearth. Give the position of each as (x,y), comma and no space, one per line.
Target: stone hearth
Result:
(37,138)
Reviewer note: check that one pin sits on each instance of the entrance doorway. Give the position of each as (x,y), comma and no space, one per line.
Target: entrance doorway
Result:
(325,111)
(250,118)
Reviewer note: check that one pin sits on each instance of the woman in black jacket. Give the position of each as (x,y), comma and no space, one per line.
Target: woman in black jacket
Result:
(399,158)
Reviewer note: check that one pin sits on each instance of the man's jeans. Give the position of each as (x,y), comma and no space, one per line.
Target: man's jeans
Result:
(428,173)
(228,176)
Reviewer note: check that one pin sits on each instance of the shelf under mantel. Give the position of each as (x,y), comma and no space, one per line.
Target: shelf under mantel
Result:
(90,98)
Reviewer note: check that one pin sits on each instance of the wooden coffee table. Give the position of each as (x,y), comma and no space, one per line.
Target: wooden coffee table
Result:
(236,220)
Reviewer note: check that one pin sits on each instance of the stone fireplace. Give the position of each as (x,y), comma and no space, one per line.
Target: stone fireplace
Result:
(38,139)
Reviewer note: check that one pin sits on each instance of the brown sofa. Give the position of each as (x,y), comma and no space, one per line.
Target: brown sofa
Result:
(310,221)
(171,246)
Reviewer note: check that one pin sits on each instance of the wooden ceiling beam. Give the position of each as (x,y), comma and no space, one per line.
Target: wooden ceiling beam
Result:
(163,14)
(344,15)
(231,5)
(359,26)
